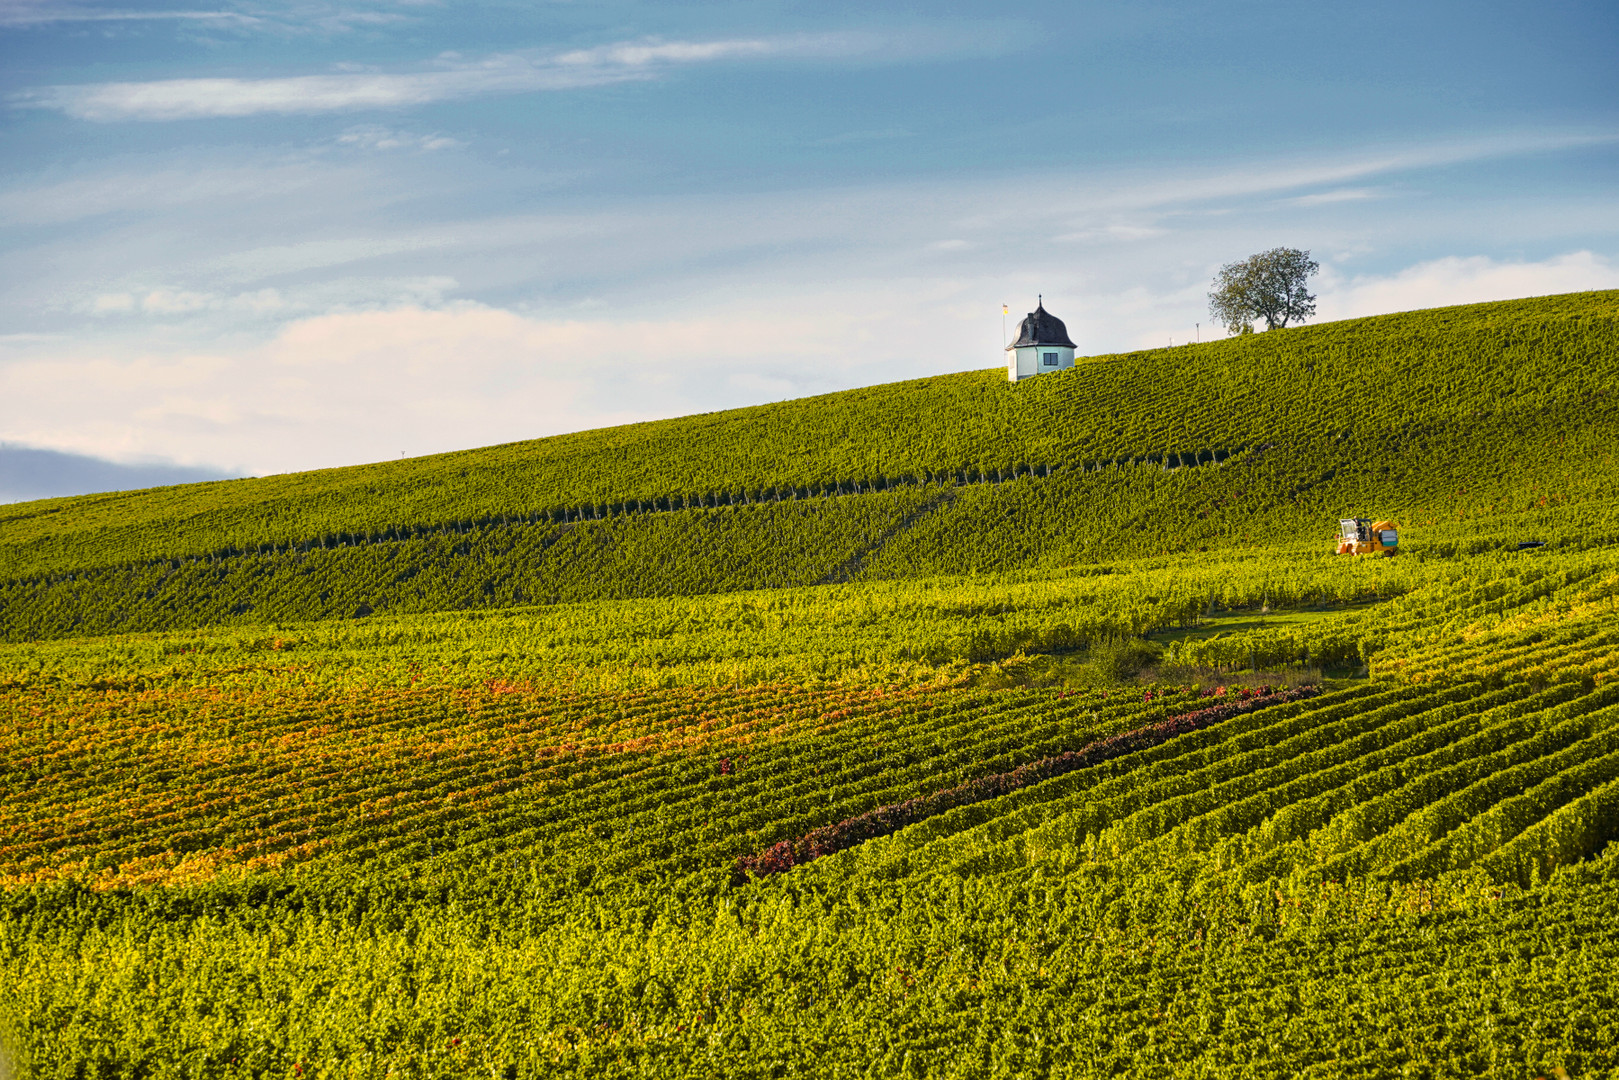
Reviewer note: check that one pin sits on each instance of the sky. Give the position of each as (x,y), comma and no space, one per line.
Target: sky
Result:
(258,236)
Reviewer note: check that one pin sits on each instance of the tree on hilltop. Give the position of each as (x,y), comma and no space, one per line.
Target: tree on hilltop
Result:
(1267,286)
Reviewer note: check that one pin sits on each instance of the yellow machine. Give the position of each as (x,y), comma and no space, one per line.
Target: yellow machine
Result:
(1357,536)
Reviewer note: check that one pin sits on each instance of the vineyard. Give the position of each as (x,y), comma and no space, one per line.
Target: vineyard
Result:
(1107,768)
(1476,412)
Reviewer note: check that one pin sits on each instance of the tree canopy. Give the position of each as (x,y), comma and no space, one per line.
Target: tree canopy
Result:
(1269,286)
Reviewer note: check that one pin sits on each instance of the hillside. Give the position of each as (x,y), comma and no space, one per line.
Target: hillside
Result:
(1041,754)
(1468,414)
(516,842)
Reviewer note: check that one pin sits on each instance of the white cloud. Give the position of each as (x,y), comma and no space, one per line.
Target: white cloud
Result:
(285,18)
(334,295)
(1461,280)
(355,386)
(642,54)
(259,302)
(1434,283)
(294,341)
(1164,219)
(260,262)
(361,386)
(451,77)
(1338,195)
(24,13)
(1133,189)
(376,137)
(112,302)
(1117,232)
(174,301)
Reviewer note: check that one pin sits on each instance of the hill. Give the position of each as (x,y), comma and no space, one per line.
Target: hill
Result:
(1468,414)
(1063,763)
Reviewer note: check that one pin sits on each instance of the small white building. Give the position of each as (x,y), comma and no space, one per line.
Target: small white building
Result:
(1042,345)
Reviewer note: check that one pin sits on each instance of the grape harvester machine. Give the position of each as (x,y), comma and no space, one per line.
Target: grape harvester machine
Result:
(1357,536)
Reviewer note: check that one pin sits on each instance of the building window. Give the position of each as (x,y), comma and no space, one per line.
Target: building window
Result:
(1051,359)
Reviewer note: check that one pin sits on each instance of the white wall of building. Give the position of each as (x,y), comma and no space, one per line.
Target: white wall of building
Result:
(1030,360)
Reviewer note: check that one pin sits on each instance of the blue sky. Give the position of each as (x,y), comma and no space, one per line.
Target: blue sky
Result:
(256,237)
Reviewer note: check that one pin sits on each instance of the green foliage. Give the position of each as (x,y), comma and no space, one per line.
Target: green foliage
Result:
(1490,386)
(1269,286)
(1030,524)
(441,768)
(438,844)
(1120,659)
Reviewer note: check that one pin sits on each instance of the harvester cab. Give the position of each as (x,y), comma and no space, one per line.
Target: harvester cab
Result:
(1357,536)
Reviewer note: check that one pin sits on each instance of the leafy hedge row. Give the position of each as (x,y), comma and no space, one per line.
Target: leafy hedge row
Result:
(891,818)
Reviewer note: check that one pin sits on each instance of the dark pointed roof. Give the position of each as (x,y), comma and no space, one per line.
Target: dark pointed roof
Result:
(1041,327)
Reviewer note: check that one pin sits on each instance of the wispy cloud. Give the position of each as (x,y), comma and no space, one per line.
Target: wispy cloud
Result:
(364,385)
(1462,280)
(285,18)
(450,77)
(292,226)
(1283,175)
(1338,195)
(1434,283)
(26,13)
(376,137)
(1118,232)
(352,293)
(292,341)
